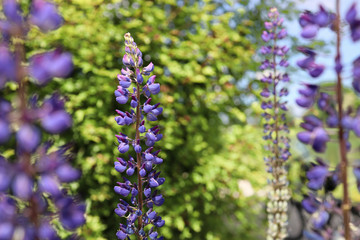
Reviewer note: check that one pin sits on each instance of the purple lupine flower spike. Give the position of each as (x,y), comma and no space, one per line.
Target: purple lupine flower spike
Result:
(316,132)
(141,194)
(32,193)
(274,108)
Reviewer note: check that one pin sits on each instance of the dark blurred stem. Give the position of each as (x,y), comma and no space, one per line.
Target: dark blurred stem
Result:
(25,157)
(342,140)
(138,155)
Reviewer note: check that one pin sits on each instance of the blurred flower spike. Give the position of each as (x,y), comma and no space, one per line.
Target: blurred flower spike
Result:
(33,180)
(274,107)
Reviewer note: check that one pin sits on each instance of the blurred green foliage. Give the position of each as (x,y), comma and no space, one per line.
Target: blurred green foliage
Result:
(215,177)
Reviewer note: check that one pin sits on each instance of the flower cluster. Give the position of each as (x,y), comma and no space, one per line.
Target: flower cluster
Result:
(312,22)
(274,114)
(334,115)
(142,192)
(31,191)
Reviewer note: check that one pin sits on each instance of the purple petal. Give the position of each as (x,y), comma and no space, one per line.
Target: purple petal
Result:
(309,31)
(45,15)
(67,174)
(56,122)
(28,138)
(22,186)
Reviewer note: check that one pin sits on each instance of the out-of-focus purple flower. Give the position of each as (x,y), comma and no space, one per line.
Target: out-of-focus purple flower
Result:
(71,214)
(309,31)
(312,22)
(310,203)
(319,219)
(28,138)
(5,132)
(356,171)
(353,22)
(308,95)
(315,134)
(22,186)
(54,118)
(12,11)
(313,236)
(7,66)
(56,122)
(45,15)
(6,230)
(356,75)
(67,174)
(46,231)
(29,177)
(6,174)
(49,184)
(45,66)
(317,175)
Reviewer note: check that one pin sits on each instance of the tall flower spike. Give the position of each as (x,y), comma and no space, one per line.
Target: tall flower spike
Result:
(275,127)
(342,120)
(32,182)
(140,192)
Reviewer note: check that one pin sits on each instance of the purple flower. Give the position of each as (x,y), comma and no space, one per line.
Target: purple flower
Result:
(276,126)
(45,66)
(45,15)
(121,235)
(71,213)
(315,134)
(309,31)
(356,75)
(28,138)
(22,186)
(353,22)
(12,11)
(308,95)
(7,66)
(34,179)
(356,171)
(317,176)
(6,230)
(310,203)
(145,160)
(56,122)
(319,219)
(313,236)
(67,174)
(49,184)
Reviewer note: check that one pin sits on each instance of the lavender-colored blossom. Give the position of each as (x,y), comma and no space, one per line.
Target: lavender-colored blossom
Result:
(353,22)
(45,15)
(5,132)
(312,22)
(31,189)
(45,66)
(310,203)
(12,11)
(308,95)
(7,65)
(276,122)
(317,176)
(143,193)
(28,138)
(341,120)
